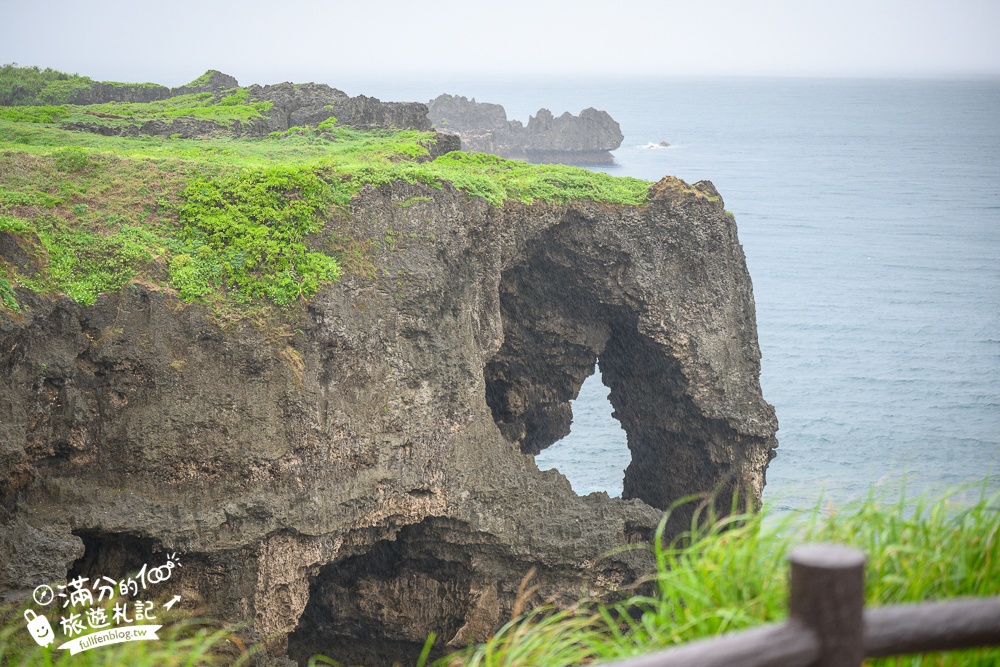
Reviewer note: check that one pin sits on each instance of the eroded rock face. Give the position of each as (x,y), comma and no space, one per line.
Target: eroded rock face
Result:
(360,474)
(682,365)
(212,81)
(585,139)
(293,105)
(102,93)
(454,113)
(312,103)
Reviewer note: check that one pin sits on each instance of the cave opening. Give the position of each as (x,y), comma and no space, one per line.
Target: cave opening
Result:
(112,554)
(594,455)
(378,607)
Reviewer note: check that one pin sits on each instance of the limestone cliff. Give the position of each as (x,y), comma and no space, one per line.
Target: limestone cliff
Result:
(359,473)
(290,105)
(312,103)
(585,139)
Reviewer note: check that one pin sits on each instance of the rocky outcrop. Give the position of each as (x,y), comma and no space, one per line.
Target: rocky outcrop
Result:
(590,136)
(585,139)
(104,92)
(295,105)
(185,128)
(454,113)
(292,105)
(359,474)
(212,81)
(312,103)
(365,112)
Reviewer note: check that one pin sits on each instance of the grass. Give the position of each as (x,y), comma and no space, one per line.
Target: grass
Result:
(229,222)
(244,230)
(223,110)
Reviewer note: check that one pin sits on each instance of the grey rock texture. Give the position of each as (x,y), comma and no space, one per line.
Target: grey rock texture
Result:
(483,127)
(297,104)
(369,112)
(454,113)
(312,103)
(215,82)
(102,93)
(187,128)
(358,474)
(442,144)
(293,105)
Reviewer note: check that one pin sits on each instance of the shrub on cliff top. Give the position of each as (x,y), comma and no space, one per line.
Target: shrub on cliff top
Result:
(245,230)
(497,179)
(31,85)
(79,262)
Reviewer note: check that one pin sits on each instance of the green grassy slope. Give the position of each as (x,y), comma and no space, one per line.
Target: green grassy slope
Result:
(219,219)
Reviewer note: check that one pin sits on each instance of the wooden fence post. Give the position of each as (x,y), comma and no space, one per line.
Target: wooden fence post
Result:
(828,596)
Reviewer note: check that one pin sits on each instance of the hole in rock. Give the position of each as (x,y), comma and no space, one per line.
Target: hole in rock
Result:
(379,606)
(595,453)
(130,559)
(576,297)
(112,554)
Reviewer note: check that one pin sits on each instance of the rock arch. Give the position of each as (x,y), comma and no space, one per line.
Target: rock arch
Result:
(670,315)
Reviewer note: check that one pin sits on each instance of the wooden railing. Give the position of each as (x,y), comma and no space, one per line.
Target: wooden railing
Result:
(829,627)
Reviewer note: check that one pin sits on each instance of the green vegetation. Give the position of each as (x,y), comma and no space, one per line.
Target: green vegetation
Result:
(231,222)
(222,110)
(31,85)
(42,114)
(245,231)
(200,106)
(81,263)
(7,297)
(497,180)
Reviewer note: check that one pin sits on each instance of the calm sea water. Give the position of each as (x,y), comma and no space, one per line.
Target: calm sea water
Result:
(869,211)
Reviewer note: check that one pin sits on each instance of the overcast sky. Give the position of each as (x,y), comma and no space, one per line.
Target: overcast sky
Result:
(172,41)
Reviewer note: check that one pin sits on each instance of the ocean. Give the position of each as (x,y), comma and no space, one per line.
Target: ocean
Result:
(869,212)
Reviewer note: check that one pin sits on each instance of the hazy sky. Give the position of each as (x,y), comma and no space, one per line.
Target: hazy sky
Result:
(172,41)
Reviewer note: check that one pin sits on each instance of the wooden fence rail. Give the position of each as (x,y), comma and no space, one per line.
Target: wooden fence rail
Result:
(829,627)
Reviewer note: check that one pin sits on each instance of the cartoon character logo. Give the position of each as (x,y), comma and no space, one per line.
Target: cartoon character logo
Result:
(39,628)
